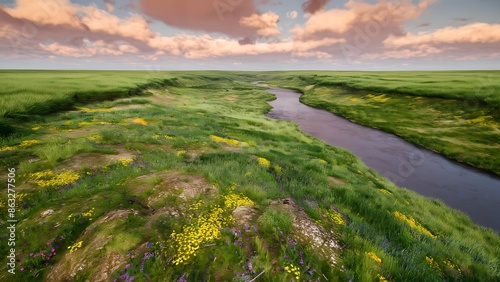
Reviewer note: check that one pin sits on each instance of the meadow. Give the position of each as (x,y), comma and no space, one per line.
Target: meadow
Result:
(454,113)
(179,176)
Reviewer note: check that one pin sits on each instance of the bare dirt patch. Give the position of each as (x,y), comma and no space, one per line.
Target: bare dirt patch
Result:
(95,160)
(170,183)
(243,215)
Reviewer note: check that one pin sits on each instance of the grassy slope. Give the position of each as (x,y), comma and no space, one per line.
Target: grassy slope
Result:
(176,164)
(454,113)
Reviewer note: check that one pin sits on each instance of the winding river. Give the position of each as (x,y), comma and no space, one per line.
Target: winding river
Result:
(459,186)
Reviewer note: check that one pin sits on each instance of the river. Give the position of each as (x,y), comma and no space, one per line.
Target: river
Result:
(461,187)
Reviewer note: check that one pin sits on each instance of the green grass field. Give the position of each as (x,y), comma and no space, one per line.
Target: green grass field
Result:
(455,113)
(179,176)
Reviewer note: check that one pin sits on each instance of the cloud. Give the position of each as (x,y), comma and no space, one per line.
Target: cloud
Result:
(109,5)
(363,31)
(89,49)
(222,16)
(195,47)
(383,18)
(88,31)
(420,51)
(471,33)
(313,6)
(292,15)
(265,24)
(53,12)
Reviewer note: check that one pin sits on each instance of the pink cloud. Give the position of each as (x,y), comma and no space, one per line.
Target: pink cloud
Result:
(404,53)
(292,15)
(53,12)
(109,5)
(220,16)
(265,24)
(471,33)
(383,18)
(89,49)
(195,47)
(313,6)
(360,30)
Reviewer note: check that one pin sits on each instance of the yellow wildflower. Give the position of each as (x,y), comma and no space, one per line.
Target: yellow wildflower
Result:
(432,262)
(125,161)
(450,264)
(264,162)
(294,270)
(334,216)
(137,120)
(29,143)
(228,141)
(379,98)
(479,120)
(414,224)
(234,200)
(181,153)
(89,110)
(48,178)
(374,257)
(385,191)
(382,278)
(94,137)
(7,148)
(75,246)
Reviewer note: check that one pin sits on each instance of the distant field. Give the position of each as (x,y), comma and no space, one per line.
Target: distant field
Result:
(42,92)
(472,86)
(454,113)
(191,181)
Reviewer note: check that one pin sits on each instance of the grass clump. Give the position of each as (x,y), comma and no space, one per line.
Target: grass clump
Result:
(273,221)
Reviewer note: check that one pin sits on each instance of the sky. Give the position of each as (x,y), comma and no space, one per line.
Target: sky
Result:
(250,34)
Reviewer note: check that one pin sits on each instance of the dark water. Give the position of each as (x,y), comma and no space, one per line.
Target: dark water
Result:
(459,186)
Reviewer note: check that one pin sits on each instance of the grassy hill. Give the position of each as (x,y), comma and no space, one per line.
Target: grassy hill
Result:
(180,177)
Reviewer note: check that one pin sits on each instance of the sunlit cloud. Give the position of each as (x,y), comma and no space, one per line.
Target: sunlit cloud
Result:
(357,32)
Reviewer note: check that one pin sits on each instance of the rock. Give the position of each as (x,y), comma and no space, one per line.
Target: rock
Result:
(243,214)
(47,213)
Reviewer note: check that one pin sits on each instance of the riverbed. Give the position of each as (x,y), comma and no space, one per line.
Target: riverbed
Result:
(462,187)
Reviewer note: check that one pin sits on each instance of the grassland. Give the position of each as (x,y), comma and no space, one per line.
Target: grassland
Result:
(454,113)
(190,182)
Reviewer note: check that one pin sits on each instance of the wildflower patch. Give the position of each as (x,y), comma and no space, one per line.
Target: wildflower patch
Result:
(137,121)
(264,162)
(48,178)
(334,216)
(24,144)
(374,257)
(205,226)
(414,224)
(228,141)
